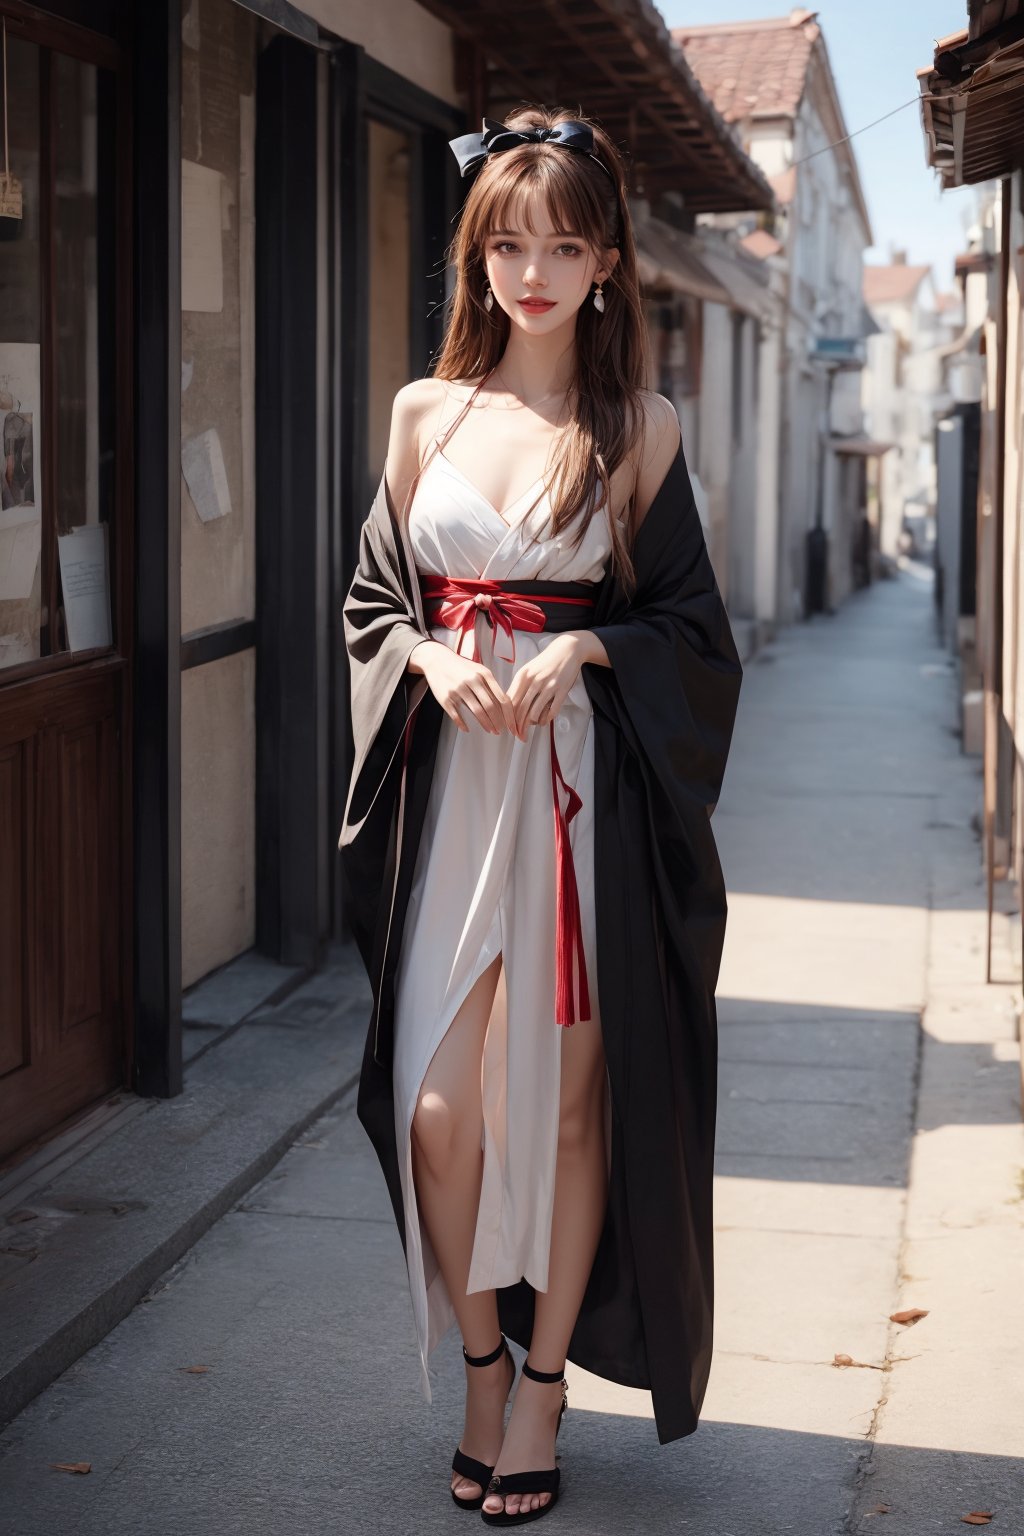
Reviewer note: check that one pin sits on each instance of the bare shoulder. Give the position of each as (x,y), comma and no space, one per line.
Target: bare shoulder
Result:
(415,402)
(656,449)
(413,411)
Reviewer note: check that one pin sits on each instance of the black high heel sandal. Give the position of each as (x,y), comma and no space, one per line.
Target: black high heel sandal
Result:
(468,1466)
(544,1481)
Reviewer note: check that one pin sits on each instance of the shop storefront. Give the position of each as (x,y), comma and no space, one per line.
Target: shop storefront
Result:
(66,567)
(228,254)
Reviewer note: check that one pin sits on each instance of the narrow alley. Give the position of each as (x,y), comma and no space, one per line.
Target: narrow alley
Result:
(866,1164)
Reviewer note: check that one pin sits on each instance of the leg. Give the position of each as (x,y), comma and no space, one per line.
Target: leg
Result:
(447,1159)
(581,1187)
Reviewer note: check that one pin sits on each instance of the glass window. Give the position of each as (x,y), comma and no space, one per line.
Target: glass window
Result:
(21,591)
(57,367)
(390,219)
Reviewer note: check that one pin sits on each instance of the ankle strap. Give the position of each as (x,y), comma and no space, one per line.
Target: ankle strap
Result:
(528,1370)
(485,1359)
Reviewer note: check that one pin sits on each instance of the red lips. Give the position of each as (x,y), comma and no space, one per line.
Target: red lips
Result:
(537,304)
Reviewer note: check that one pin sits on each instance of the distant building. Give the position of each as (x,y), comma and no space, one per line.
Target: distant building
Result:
(905,393)
(972,106)
(773,82)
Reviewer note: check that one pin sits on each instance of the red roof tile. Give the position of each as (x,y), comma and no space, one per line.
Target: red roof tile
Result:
(761,243)
(892,284)
(752,68)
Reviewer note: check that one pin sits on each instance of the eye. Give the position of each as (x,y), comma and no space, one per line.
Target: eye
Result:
(574,250)
(501,245)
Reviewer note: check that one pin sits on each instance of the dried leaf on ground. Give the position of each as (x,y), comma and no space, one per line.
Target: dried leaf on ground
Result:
(977,1517)
(910,1315)
(195,1370)
(72,1466)
(865,1365)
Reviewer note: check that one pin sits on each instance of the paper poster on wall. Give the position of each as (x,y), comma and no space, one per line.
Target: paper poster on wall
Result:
(85,583)
(202,464)
(20,511)
(202,261)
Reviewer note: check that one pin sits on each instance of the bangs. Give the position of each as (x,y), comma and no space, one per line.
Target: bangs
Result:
(518,192)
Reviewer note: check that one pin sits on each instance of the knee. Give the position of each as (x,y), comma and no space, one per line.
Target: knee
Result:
(442,1137)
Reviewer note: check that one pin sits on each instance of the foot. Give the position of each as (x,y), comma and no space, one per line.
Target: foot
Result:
(487,1389)
(529,1444)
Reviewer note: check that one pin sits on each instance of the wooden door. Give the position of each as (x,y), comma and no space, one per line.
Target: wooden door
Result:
(65,589)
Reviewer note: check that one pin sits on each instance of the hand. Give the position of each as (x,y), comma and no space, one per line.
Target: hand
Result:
(541,684)
(458,684)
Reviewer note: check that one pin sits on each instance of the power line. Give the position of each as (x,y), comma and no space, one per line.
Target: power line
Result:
(849,136)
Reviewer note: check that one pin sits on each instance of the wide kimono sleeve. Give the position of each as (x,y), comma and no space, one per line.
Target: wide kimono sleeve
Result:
(676,670)
(664,712)
(382,623)
(382,626)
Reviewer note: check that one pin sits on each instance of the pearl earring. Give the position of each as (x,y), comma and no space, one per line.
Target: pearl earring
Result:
(599,297)
(488,298)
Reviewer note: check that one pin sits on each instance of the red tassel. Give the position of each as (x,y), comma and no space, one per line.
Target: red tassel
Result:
(568,923)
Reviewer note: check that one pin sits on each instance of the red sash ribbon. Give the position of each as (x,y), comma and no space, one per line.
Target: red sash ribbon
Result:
(456,603)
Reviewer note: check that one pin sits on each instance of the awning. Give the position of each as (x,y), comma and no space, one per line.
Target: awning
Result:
(972,97)
(666,261)
(865,446)
(290,18)
(742,280)
(619,61)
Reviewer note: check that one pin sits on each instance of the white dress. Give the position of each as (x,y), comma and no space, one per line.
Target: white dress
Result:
(484,883)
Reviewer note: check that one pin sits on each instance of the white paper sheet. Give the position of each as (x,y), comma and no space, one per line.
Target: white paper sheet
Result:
(85,581)
(202,260)
(202,463)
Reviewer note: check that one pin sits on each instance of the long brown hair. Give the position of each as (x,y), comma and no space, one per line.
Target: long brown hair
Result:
(604,396)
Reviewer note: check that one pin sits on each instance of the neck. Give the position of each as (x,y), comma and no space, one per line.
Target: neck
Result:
(535,367)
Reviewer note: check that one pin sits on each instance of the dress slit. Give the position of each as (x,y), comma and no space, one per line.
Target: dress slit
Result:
(485,883)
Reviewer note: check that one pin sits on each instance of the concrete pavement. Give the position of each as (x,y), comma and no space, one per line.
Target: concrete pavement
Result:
(869,1158)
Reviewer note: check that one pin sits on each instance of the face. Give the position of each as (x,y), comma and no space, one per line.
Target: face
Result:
(552,271)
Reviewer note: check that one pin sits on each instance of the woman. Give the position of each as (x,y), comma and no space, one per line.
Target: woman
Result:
(544,685)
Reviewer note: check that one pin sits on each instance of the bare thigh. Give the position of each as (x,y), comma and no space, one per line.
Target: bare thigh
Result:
(449,1105)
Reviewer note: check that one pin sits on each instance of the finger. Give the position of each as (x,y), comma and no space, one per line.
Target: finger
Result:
(480,702)
(453,713)
(490,694)
(507,708)
(539,709)
(514,691)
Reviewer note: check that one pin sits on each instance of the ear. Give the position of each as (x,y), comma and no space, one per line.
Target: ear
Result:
(611,257)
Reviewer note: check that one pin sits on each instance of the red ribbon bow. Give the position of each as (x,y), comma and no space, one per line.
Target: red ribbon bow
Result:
(461,600)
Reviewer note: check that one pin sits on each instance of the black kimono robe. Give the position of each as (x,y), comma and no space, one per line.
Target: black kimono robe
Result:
(663,719)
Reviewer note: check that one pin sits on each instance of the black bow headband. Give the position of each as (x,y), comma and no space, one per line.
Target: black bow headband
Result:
(472,149)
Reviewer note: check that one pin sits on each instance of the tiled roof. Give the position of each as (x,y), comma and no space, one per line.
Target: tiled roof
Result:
(761,244)
(892,284)
(752,68)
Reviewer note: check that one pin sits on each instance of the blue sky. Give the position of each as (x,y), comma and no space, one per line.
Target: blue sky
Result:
(875,47)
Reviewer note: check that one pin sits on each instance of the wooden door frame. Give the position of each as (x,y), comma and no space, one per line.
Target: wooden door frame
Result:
(362,88)
(156,680)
